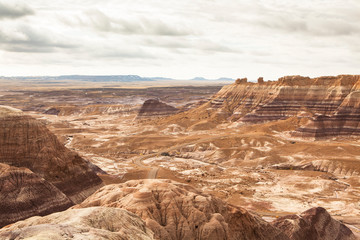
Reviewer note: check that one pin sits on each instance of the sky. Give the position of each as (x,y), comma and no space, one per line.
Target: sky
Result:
(180,39)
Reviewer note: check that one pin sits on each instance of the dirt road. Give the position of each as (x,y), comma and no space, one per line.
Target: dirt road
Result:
(154,170)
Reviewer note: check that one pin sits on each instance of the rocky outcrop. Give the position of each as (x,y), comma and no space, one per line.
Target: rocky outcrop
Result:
(90,223)
(330,104)
(315,223)
(241,81)
(24,194)
(177,211)
(26,142)
(156,108)
(52,111)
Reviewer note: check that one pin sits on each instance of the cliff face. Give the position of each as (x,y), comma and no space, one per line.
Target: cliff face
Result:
(177,211)
(156,108)
(331,104)
(26,142)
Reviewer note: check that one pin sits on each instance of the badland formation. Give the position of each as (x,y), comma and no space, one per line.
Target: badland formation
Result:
(247,160)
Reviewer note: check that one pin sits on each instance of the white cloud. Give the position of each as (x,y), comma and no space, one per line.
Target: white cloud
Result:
(181,38)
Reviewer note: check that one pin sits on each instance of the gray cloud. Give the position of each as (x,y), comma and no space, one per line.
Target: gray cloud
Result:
(204,46)
(318,22)
(26,39)
(14,10)
(99,21)
(284,23)
(311,26)
(125,53)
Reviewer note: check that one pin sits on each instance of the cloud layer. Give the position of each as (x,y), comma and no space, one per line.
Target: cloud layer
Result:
(180,39)
(14,10)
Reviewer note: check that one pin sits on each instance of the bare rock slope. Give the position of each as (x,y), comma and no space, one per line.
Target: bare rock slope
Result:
(80,224)
(26,142)
(24,194)
(177,211)
(315,223)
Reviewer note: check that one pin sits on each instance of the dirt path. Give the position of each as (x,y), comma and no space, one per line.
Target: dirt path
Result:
(154,170)
(153,173)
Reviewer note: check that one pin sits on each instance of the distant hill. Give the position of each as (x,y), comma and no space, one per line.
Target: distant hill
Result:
(90,78)
(104,78)
(219,79)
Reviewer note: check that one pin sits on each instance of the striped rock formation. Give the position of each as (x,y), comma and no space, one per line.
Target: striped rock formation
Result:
(24,194)
(156,108)
(26,142)
(177,211)
(315,223)
(45,163)
(331,104)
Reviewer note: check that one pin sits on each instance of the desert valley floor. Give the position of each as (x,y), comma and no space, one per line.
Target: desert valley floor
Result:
(261,146)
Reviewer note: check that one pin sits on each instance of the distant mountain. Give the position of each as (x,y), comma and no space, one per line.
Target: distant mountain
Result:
(199,79)
(88,78)
(161,78)
(225,79)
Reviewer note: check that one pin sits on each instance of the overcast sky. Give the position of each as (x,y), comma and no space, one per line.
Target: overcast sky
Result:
(180,39)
